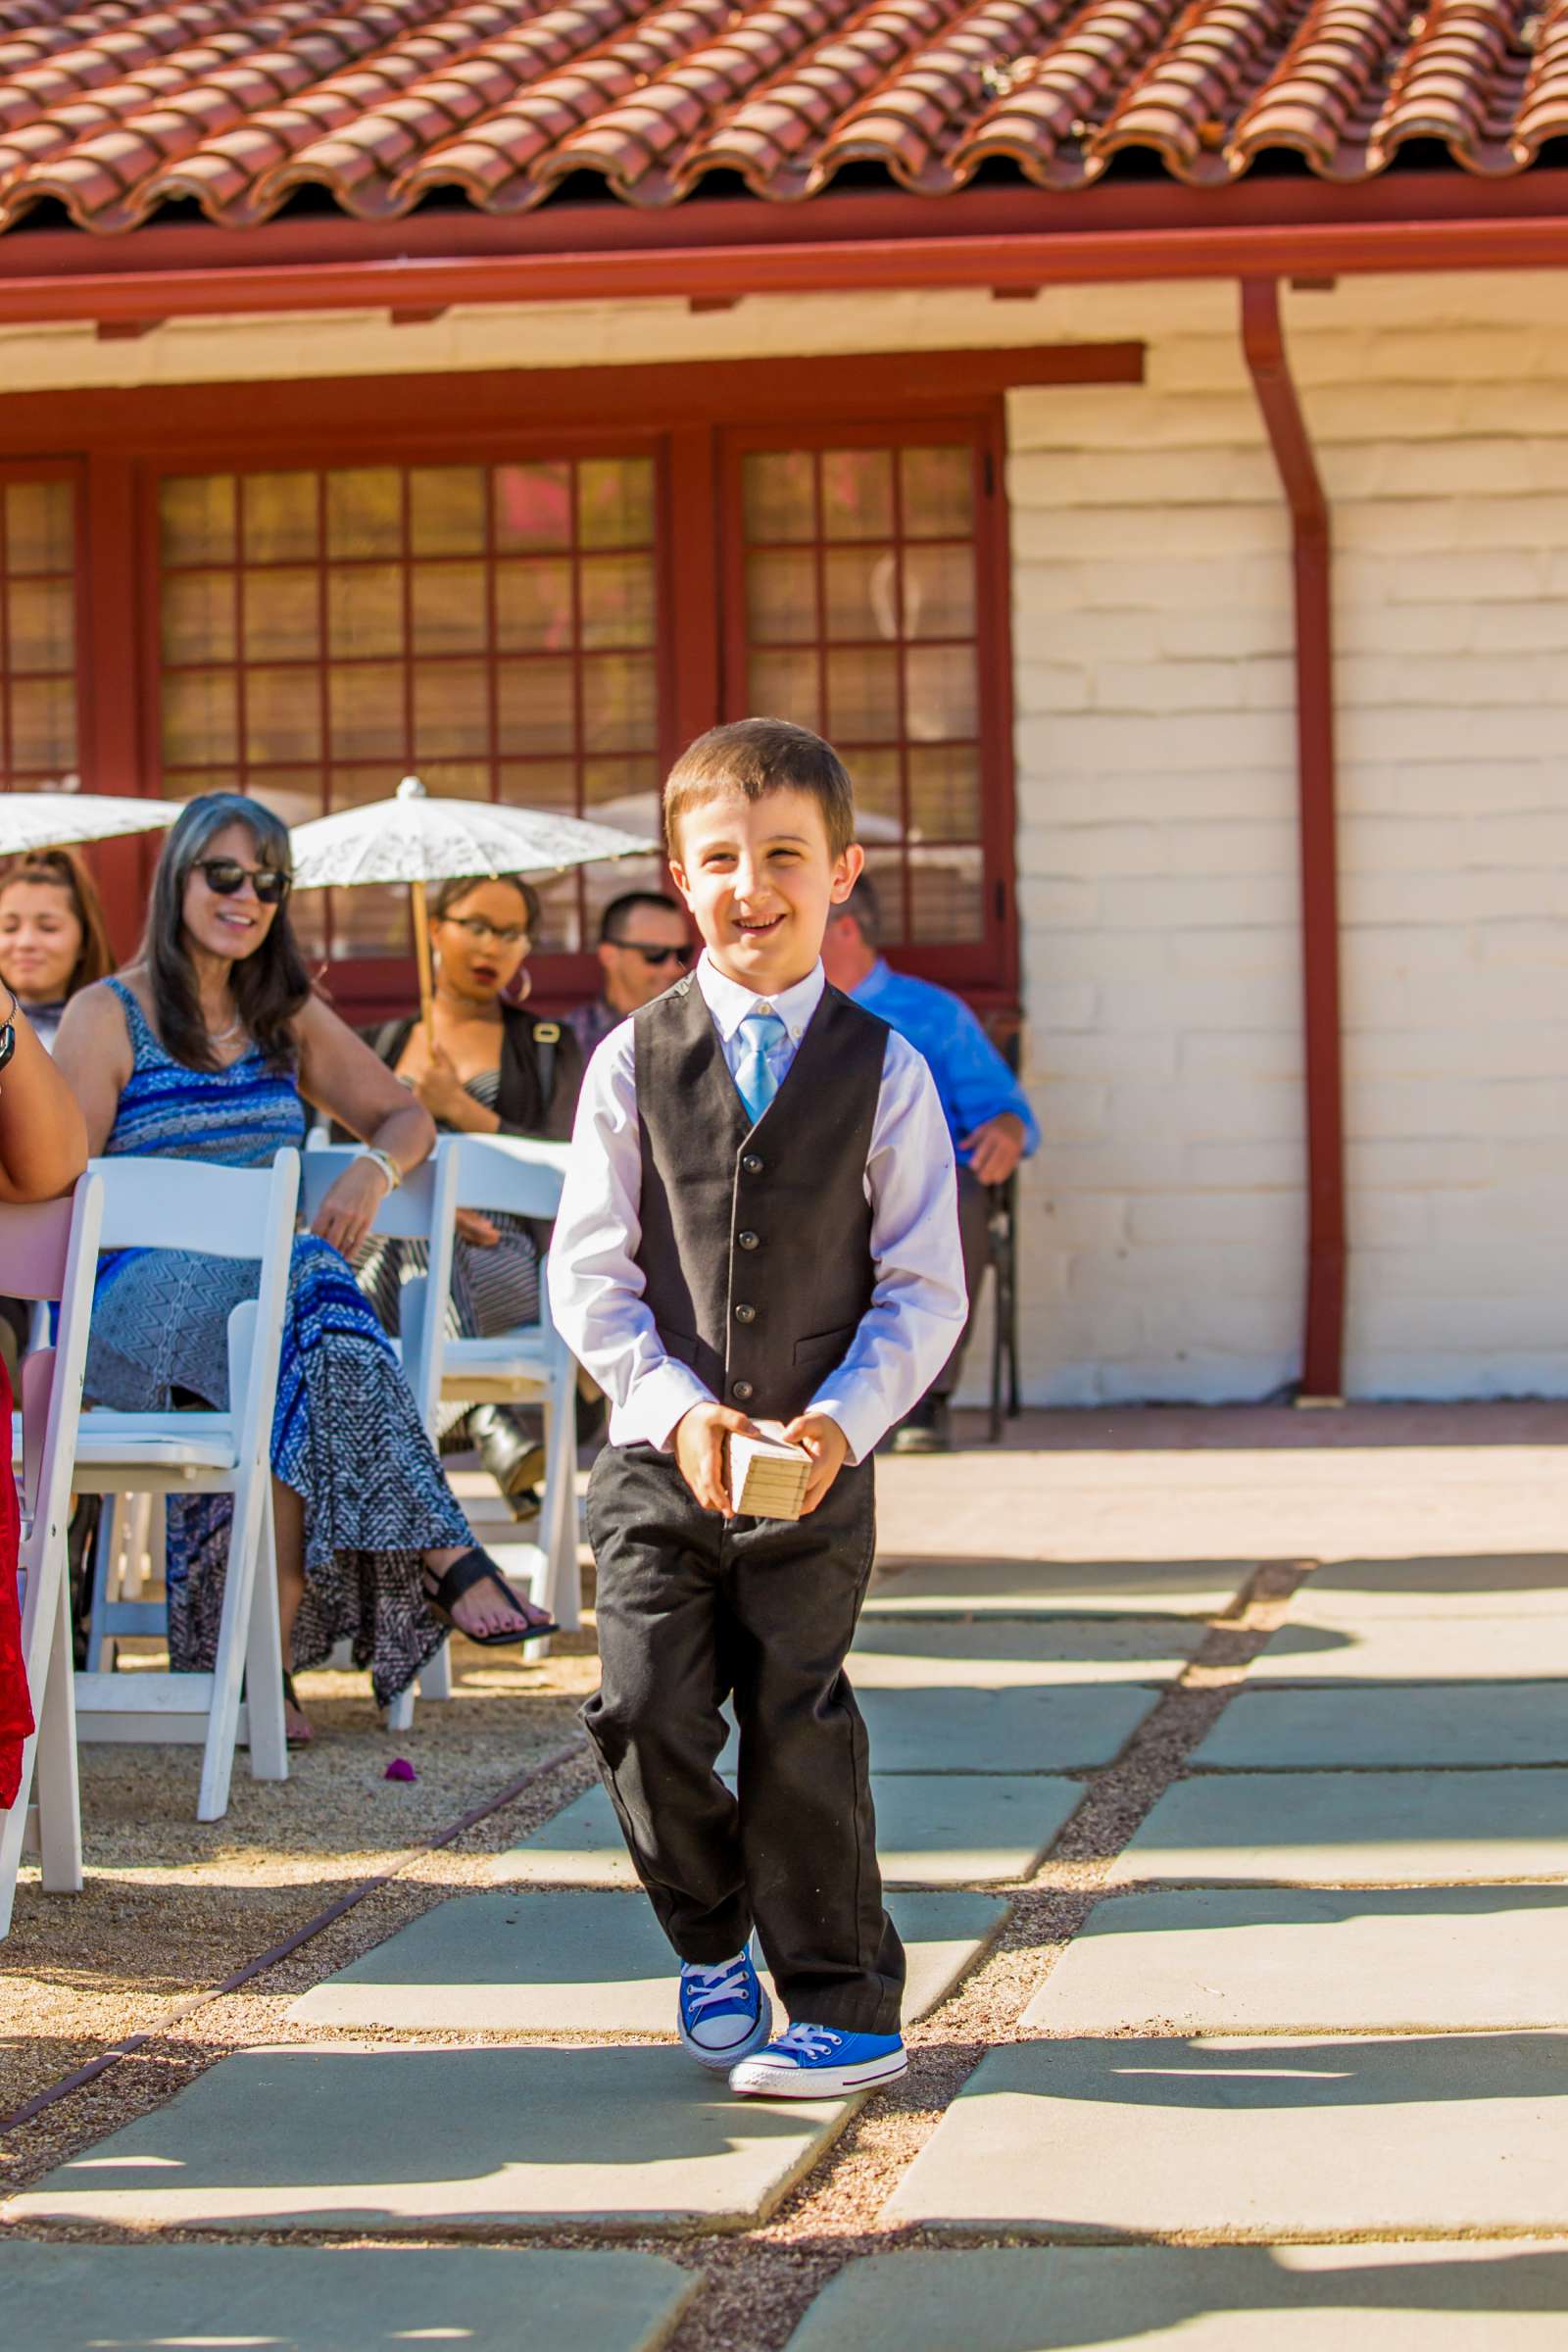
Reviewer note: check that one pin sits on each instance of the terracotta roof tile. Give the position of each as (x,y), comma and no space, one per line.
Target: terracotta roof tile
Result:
(113,111)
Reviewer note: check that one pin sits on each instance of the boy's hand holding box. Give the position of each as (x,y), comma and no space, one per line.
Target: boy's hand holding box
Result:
(768,1475)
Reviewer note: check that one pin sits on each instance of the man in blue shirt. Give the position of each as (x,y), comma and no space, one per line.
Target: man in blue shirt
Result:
(988,1113)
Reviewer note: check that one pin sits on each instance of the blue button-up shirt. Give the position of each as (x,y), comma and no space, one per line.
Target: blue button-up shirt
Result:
(973,1081)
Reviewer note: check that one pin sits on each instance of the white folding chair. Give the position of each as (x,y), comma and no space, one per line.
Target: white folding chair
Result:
(49,1251)
(420,1210)
(230,1213)
(514,1176)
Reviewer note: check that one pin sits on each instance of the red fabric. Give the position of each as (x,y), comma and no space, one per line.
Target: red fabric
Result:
(16,1710)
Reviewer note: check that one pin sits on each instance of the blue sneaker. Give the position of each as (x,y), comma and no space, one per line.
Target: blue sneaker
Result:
(819,2062)
(724,2013)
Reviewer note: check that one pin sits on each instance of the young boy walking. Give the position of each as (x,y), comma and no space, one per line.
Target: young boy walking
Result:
(760,1221)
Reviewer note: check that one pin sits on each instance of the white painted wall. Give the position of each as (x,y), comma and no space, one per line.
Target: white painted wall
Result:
(1164,1221)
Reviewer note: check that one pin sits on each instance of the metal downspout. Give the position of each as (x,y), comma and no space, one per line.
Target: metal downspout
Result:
(1264,342)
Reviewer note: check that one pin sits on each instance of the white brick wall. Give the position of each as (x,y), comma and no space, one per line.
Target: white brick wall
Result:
(1445,443)
(1158,808)
(1163,1222)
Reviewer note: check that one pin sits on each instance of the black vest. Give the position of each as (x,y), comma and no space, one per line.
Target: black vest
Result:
(756,1244)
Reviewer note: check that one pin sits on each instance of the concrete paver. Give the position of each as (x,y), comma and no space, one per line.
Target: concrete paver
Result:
(1331,1828)
(527,1962)
(940,1829)
(1318,1643)
(365,2136)
(316,2299)
(1033,1587)
(1449,1724)
(1000,1653)
(1235,2138)
(1515,1584)
(955,1730)
(1506,2296)
(1228,1960)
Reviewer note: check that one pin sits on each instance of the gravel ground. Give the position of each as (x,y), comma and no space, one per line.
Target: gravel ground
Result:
(174,1907)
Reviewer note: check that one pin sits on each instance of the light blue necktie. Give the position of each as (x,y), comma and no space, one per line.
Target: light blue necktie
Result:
(759,1033)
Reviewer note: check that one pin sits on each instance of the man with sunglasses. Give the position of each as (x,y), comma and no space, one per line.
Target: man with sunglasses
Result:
(645,944)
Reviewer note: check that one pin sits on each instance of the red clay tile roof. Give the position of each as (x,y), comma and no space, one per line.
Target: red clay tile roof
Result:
(113,111)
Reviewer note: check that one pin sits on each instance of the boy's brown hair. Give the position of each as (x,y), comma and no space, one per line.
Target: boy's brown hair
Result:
(755,757)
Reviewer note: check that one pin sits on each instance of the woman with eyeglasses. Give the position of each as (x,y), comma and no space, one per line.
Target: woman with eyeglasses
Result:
(205,1047)
(491,1068)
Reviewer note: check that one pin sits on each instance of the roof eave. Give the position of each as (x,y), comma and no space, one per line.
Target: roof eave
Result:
(727,247)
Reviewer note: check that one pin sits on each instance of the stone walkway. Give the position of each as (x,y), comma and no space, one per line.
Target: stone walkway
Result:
(1302,2071)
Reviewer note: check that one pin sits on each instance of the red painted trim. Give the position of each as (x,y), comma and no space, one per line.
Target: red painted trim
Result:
(1264,342)
(513,407)
(734,246)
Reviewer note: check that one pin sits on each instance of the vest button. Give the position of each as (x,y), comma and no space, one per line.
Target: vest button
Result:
(743,1390)
(751,1165)
(748,1240)
(746,1315)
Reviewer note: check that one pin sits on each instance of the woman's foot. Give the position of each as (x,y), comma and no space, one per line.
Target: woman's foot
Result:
(485,1608)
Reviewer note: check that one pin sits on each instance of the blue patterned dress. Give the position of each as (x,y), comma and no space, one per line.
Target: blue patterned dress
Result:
(345,1434)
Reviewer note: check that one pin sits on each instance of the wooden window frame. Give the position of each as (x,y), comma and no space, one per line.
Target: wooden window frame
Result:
(56,470)
(985,968)
(117,438)
(365,987)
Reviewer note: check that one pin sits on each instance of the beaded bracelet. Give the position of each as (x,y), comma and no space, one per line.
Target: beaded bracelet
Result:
(386,1163)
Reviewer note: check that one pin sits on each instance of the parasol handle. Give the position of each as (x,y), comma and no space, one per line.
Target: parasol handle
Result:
(421,950)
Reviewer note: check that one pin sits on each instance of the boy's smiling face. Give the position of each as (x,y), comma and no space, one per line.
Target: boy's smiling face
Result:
(759,879)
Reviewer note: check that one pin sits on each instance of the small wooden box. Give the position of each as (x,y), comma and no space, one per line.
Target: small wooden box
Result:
(768,1477)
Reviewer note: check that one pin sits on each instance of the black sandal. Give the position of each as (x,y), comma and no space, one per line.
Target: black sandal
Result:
(292,1698)
(476,1567)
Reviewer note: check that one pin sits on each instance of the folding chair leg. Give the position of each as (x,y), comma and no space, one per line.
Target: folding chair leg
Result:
(48,1776)
(13,1830)
(59,1792)
(435,1676)
(562,1585)
(137,1547)
(1013,1405)
(263,1661)
(233,1641)
(105,1551)
(400,1714)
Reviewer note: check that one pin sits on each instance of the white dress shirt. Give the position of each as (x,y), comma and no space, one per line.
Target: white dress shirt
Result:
(919,1300)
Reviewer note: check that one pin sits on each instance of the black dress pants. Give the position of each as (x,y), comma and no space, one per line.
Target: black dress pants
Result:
(694,1609)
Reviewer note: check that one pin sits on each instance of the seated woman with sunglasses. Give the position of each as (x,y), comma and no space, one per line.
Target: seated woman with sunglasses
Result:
(203,1050)
(491,1070)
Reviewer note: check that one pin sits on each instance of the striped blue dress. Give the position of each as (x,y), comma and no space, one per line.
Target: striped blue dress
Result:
(345,1434)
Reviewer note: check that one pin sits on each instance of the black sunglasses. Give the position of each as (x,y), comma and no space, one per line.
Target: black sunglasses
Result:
(654,956)
(226,876)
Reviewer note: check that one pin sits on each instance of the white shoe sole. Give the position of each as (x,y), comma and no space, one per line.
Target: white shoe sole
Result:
(755,2078)
(720,2062)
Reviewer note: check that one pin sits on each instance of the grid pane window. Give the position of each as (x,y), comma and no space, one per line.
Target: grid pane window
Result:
(492,628)
(859,573)
(38,744)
